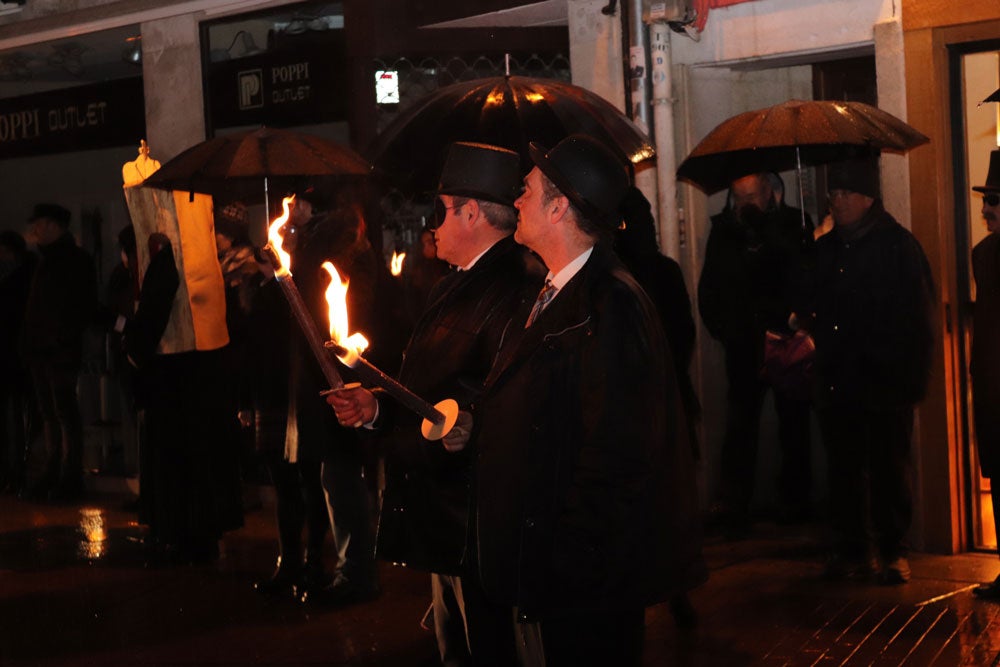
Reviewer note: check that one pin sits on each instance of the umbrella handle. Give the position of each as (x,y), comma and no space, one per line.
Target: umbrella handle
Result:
(798,173)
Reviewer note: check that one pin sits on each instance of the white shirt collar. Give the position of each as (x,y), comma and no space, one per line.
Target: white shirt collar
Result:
(567,272)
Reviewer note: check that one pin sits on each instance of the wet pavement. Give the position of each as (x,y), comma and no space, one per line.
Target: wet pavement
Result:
(74,591)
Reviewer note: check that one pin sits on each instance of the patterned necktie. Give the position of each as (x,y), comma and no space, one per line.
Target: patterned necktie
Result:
(544,296)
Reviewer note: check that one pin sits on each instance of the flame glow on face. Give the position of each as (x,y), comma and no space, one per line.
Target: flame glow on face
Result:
(396,264)
(336,300)
(274,237)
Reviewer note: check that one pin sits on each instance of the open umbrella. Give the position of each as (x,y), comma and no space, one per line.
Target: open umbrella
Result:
(508,111)
(791,135)
(245,163)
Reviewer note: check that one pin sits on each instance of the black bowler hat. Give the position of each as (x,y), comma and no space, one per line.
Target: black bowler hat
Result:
(992,176)
(481,171)
(53,212)
(588,173)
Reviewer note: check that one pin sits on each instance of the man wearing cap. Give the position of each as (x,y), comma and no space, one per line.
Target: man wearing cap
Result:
(984,362)
(584,499)
(61,304)
(871,296)
(425,508)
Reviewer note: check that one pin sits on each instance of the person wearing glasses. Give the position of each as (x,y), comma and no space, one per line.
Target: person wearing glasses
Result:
(584,502)
(425,509)
(870,304)
(984,362)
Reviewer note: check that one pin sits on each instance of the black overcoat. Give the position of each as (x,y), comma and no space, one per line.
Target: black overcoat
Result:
(585,494)
(425,507)
(872,295)
(984,364)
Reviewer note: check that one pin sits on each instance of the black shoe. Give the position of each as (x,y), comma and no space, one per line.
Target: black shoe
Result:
(894,572)
(990,591)
(341,593)
(283,582)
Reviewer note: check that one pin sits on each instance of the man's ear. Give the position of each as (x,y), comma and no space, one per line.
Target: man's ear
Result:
(558,207)
(470,210)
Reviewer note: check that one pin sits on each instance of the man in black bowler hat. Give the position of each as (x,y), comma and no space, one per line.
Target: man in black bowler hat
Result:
(584,498)
(984,362)
(61,304)
(425,509)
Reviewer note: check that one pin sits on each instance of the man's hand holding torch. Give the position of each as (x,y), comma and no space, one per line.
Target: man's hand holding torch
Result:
(354,405)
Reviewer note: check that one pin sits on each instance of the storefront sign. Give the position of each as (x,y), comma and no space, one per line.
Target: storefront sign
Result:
(101,115)
(289,86)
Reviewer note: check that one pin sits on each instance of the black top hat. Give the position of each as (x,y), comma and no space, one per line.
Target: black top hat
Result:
(481,171)
(992,176)
(588,173)
(53,212)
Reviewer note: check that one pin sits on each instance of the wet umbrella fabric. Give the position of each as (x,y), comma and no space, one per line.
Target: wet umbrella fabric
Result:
(507,111)
(240,164)
(792,135)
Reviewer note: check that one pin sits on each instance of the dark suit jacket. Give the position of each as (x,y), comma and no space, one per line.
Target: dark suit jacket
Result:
(425,508)
(585,496)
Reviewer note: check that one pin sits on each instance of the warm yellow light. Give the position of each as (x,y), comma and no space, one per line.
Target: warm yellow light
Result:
(534,97)
(336,301)
(274,235)
(396,263)
(95,534)
(494,98)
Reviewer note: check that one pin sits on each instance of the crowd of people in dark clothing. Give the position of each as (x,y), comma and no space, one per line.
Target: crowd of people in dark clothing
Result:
(564,500)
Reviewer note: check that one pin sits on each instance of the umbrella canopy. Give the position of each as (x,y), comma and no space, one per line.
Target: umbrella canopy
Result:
(790,135)
(995,97)
(240,164)
(507,111)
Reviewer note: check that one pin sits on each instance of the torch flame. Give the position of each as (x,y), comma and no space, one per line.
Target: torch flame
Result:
(274,237)
(396,264)
(336,300)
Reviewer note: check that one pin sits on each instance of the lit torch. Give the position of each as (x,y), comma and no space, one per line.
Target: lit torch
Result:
(396,263)
(280,261)
(438,419)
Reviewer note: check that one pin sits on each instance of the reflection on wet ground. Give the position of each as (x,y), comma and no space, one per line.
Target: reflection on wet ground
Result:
(74,591)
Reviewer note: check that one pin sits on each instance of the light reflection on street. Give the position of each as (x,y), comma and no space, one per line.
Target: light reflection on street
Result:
(94,536)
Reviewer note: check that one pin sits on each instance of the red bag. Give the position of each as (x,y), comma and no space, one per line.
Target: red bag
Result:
(788,362)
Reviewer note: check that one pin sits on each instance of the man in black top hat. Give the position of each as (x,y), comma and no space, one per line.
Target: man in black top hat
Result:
(61,304)
(425,509)
(984,361)
(871,296)
(584,498)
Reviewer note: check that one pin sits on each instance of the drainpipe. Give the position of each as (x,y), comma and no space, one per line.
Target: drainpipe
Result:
(663,124)
(638,62)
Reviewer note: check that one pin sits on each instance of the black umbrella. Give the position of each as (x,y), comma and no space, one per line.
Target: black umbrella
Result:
(790,135)
(507,111)
(995,97)
(246,164)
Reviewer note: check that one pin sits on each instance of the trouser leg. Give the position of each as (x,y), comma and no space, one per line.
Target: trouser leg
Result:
(350,515)
(845,439)
(289,510)
(892,502)
(744,400)
(795,478)
(450,627)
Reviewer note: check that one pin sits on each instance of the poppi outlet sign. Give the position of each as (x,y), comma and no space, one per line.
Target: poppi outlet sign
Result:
(86,117)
